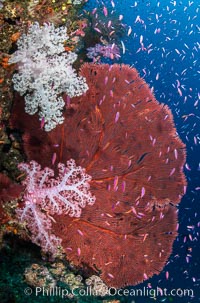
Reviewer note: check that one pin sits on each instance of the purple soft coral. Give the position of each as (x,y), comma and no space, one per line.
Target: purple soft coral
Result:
(46,195)
(107,51)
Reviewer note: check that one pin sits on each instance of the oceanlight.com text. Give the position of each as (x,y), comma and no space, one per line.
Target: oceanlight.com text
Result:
(112,291)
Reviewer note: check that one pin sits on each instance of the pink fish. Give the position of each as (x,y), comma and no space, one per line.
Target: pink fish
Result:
(94,11)
(123,47)
(53,160)
(172,171)
(80,232)
(180,92)
(112,3)
(97,30)
(117,117)
(123,186)
(42,123)
(145,236)
(110,275)
(187,167)
(109,215)
(105,11)
(129,30)
(69,248)
(144,71)
(111,33)
(115,182)
(142,192)
(79,251)
(109,23)
(137,19)
(178,83)
(176,153)
(134,210)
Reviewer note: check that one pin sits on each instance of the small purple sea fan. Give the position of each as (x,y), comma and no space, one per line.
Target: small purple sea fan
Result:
(107,51)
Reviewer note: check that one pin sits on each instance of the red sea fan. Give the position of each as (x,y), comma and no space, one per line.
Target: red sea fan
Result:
(128,144)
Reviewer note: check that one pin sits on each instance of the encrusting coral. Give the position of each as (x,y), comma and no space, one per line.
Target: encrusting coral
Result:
(97,286)
(127,143)
(39,276)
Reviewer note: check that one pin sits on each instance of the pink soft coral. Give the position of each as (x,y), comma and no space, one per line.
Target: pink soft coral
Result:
(46,195)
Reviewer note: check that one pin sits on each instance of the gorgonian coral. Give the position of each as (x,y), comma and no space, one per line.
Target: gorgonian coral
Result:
(128,143)
(45,71)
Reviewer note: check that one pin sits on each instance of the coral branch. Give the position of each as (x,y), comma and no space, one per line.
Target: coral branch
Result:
(39,224)
(46,195)
(44,72)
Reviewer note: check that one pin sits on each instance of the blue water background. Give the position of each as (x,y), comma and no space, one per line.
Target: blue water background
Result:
(173,63)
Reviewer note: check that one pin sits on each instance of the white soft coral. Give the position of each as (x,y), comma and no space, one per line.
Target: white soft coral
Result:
(45,72)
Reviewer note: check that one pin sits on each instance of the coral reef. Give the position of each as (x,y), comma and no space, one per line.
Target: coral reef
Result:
(58,11)
(128,143)
(15,20)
